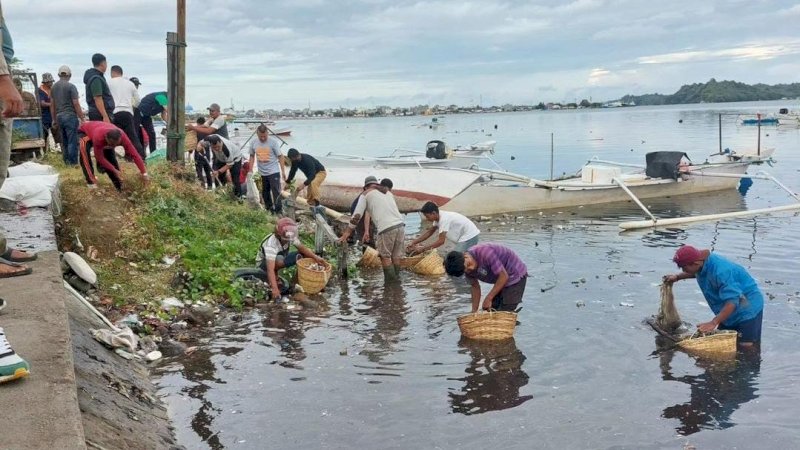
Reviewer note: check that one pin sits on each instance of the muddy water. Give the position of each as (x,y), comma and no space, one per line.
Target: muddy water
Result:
(386,368)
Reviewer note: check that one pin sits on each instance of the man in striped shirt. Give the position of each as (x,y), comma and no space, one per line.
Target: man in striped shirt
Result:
(493,264)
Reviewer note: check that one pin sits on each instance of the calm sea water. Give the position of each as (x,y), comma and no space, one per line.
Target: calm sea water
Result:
(376,368)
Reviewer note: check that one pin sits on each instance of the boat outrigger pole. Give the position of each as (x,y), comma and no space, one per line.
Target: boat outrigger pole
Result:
(633,225)
(635,199)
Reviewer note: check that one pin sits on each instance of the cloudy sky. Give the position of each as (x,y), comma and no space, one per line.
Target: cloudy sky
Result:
(329,53)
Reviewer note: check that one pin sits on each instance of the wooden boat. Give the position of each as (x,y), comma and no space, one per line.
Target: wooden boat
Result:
(482,192)
(437,154)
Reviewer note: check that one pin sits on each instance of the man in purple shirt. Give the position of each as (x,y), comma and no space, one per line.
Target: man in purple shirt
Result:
(493,264)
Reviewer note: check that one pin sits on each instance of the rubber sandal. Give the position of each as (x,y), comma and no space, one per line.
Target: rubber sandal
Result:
(18,273)
(10,251)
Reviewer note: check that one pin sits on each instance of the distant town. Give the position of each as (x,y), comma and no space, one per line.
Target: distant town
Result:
(419,110)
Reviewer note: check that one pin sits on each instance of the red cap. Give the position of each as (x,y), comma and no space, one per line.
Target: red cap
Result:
(687,255)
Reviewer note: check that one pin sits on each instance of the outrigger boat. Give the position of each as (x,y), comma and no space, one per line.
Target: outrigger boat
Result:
(437,154)
(476,192)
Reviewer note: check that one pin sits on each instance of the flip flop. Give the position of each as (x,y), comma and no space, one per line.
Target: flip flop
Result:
(10,251)
(24,271)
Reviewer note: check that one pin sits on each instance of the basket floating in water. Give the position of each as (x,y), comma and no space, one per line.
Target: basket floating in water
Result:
(411,261)
(431,264)
(313,276)
(719,342)
(490,326)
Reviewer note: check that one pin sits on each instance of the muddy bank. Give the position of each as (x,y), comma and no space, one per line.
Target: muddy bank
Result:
(117,400)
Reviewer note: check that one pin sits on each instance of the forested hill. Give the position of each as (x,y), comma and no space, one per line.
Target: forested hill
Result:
(718,92)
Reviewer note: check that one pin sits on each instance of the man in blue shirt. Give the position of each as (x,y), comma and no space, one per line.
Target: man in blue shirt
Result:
(730,291)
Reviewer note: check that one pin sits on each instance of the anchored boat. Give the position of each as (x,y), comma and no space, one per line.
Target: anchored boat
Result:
(437,154)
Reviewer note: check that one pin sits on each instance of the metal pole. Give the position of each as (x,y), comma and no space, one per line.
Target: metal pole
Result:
(759,134)
(720,133)
(551,156)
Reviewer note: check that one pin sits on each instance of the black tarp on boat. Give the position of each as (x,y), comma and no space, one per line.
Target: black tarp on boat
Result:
(664,164)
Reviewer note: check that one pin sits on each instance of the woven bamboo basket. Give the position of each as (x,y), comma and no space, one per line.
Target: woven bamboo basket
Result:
(312,281)
(720,342)
(191,140)
(489,326)
(431,264)
(411,261)
(371,258)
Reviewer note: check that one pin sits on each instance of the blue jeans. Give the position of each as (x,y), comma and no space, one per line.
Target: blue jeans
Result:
(69,139)
(749,330)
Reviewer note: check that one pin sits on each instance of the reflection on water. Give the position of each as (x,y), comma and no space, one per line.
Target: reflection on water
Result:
(494,377)
(715,393)
(375,367)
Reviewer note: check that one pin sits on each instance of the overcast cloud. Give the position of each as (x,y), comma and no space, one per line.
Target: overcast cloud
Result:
(372,52)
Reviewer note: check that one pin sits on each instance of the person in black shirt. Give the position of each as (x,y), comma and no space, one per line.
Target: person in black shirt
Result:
(312,169)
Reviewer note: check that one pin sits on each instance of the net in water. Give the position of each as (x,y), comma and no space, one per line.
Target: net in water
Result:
(668,318)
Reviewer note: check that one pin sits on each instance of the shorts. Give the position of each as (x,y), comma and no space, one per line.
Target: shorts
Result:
(749,330)
(290,260)
(510,296)
(390,243)
(463,246)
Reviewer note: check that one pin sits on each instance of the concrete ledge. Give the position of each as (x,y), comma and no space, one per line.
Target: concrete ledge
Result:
(40,411)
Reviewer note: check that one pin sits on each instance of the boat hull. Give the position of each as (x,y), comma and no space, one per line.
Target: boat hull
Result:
(485,198)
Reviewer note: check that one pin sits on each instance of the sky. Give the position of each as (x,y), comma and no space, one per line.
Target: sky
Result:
(365,53)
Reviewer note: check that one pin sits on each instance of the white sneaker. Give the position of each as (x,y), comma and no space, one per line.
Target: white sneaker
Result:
(11,365)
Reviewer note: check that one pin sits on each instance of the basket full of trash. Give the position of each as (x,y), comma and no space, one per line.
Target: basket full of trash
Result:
(488,325)
(313,276)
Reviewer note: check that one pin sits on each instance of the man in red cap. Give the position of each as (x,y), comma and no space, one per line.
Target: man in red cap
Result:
(731,293)
(274,255)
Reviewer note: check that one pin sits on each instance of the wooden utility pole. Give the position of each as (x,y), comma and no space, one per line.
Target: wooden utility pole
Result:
(176,91)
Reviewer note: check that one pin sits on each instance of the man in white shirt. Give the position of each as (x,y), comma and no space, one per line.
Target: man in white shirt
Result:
(126,97)
(452,226)
(379,203)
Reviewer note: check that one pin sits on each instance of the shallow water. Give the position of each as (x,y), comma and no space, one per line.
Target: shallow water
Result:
(387,368)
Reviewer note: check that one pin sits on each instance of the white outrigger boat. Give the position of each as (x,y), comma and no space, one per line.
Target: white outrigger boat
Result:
(484,192)
(437,154)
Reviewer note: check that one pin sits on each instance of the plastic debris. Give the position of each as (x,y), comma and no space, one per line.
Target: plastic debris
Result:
(629,305)
(80,267)
(155,355)
(171,302)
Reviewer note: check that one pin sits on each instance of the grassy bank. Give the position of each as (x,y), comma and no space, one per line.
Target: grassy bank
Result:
(130,238)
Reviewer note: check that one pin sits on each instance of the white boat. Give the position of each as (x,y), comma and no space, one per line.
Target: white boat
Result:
(482,192)
(788,118)
(436,155)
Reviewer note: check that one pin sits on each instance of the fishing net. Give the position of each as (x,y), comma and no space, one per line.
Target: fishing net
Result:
(668,318)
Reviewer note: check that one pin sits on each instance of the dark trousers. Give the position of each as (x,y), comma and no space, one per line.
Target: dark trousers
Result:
(235,172)
(271,192)
(95,115)
(68,125)
(147,124)
(203,170)
(85,146)
(510,297)
(124,121)
(137,125)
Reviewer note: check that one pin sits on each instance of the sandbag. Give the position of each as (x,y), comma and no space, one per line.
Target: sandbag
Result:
(31,190)
(30,168)
(668,317)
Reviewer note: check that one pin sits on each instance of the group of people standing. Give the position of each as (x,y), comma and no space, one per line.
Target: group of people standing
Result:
(116,115)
